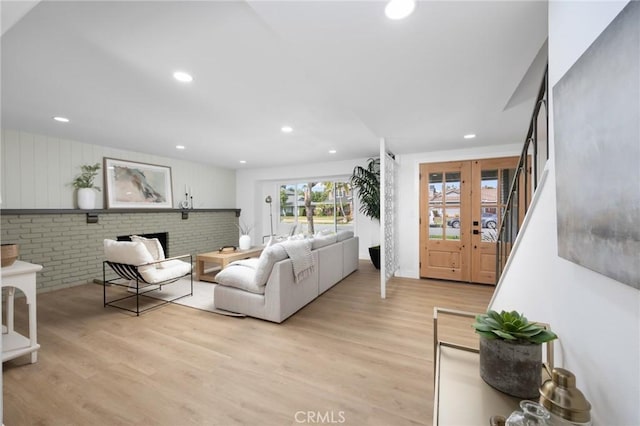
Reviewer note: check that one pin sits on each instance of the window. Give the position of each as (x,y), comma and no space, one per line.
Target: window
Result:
(315,206)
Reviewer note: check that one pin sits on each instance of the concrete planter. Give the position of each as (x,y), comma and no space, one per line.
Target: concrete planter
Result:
(512,368)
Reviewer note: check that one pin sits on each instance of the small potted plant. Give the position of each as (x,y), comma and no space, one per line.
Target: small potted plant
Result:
(84,183)
(367,182)
(511,352)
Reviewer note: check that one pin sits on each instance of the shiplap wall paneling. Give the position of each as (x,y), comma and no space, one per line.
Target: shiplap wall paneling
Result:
(37,172)
(11,170)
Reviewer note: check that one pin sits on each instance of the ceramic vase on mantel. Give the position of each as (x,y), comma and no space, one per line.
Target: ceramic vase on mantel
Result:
(245,242)
(86,198)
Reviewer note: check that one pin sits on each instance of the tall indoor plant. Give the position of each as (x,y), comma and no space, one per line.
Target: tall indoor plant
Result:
(84,183)
(511,352)
(366,180)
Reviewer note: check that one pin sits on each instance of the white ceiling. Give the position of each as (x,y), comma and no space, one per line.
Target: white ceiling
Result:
(339,72)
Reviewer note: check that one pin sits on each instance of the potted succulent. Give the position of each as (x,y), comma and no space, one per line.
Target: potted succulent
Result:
(511,352)
(84,183)
(367,182)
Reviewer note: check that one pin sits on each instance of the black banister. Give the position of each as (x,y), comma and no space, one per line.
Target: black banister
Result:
(522,189)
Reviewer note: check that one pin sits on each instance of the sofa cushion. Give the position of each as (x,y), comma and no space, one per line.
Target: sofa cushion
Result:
(344,235)
(128,252)
(249,263)
(323,241)
(269,257)
(239,276)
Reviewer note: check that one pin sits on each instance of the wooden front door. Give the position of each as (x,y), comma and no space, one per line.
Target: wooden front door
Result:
(461,204)
(444,216)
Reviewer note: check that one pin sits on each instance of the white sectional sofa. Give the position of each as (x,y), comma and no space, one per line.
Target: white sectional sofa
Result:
(265,288)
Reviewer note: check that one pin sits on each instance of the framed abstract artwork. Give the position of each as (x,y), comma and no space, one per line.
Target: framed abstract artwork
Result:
(129,184)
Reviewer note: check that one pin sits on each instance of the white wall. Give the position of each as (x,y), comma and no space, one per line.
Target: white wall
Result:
(596,318)
(253,186)
(408,187)
(37,171)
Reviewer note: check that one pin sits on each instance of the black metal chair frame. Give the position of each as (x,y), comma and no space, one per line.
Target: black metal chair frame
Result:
(130,272)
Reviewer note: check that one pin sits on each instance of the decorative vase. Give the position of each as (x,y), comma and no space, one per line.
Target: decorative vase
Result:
(512,368)
(86,198)
(245,242)
(9,254)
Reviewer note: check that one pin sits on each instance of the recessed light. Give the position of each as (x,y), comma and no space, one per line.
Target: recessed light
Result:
(61,119)
(286,129)
(243,161)
(399,9)
(332,151)
(179,146)
(183,76)
(469,136)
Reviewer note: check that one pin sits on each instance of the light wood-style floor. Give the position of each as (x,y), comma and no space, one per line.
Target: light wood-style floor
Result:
(349,358)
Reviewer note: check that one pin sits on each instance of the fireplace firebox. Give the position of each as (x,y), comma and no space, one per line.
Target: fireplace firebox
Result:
(163,237)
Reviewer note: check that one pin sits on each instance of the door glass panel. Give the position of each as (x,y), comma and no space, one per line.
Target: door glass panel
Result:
(452,231)
(452,188)
(436,212)
(488,205)
(506,178)
(435,223)
(452,205)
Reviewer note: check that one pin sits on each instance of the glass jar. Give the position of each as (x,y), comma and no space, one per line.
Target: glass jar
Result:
(532,414)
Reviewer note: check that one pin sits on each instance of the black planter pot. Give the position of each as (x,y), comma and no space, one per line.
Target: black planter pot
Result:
(374,253)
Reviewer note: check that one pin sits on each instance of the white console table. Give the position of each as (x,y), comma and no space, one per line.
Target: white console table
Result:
(20,275)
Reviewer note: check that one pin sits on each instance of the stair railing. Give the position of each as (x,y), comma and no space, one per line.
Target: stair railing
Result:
(534,155)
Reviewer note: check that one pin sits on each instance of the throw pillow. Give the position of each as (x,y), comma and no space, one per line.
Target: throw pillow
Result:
(152,244)
(128,252)
(269,257)
(239,276)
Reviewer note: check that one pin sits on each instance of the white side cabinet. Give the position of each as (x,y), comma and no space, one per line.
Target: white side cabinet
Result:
(21,275)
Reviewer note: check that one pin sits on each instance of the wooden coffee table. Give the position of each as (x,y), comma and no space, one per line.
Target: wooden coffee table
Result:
(222,260)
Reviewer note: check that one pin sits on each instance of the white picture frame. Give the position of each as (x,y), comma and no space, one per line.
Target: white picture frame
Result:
(134,185)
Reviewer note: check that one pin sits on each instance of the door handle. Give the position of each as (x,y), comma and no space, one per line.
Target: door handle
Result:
(476,223)
(476,232)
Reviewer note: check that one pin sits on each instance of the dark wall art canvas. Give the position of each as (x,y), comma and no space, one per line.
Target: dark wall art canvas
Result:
(597,151)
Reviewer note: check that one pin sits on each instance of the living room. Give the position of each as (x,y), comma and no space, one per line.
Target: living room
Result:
(38,163)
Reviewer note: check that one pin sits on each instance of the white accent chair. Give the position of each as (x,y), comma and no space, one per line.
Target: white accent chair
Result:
(133,262)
